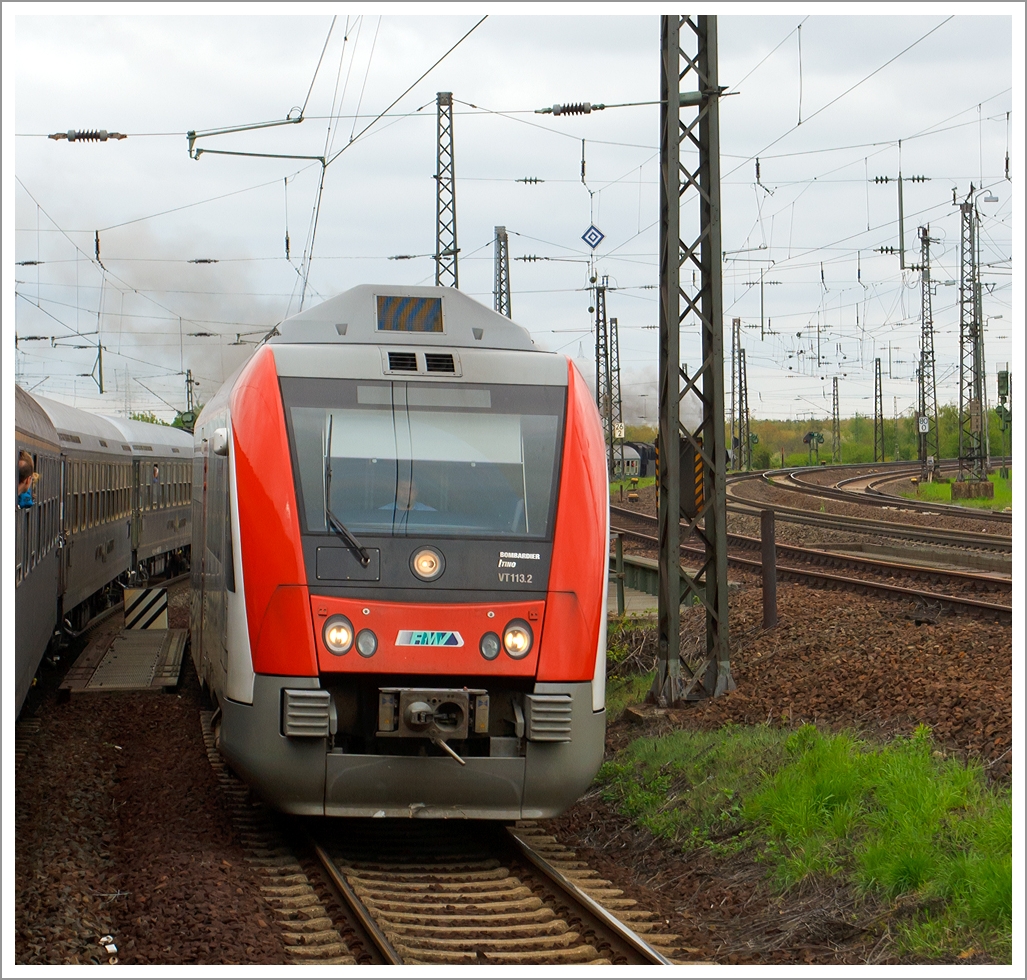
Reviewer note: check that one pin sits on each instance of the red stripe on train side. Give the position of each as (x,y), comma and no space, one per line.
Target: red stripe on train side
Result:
(574,603)
(277,606)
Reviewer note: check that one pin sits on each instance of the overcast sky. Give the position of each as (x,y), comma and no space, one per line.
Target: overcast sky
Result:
(813,224)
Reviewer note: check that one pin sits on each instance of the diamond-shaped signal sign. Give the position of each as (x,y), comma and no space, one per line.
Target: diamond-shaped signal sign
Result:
(592,237)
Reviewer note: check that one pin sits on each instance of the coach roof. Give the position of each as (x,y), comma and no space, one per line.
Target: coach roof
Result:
(404,315)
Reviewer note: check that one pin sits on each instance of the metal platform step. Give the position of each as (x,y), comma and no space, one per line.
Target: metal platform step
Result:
(132,660)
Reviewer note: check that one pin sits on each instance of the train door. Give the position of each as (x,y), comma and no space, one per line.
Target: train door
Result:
(200,650)
(137,517)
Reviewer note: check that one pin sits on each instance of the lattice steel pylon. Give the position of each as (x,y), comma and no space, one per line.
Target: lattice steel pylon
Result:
(690,115)
(971,369)
(927,408)
(878,414)
(836,426)
(446,251)
(604,374)
(616,406)
(744,447)
(501,286)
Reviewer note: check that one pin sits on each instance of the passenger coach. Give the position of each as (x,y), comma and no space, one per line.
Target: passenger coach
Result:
(400,540)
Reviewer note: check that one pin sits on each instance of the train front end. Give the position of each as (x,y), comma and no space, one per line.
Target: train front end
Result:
(417,527)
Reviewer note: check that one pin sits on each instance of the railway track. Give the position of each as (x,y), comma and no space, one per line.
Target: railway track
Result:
(1002,543)
(433,892)
(817,577)
(869,494)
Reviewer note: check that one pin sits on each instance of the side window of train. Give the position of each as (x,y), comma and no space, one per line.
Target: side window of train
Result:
(71,495)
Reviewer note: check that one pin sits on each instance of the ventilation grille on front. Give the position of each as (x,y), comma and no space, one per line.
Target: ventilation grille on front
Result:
(402,360)
(67,437)
(548,717)
(440,362)
(305,713)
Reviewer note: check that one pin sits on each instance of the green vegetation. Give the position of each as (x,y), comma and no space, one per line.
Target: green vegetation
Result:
(784,439)
(617,485)
(893,822)
(622,691)
(147,417)
(942,493)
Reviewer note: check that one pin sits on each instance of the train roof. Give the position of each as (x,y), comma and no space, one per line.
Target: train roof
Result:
(82,430)
(147,439)
(411,315)
(30,419)
(87,432)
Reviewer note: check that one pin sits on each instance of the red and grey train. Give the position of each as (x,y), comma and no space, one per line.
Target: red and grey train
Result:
(400,540)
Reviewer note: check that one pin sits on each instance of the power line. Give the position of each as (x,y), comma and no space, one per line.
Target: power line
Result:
(420,78)
(843,94)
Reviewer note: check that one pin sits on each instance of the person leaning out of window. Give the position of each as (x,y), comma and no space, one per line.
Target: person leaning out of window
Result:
(26,479)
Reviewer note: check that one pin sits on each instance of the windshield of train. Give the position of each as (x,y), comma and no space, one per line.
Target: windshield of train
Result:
(411,459)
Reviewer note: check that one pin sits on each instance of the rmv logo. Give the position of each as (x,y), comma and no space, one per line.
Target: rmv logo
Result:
(429,638)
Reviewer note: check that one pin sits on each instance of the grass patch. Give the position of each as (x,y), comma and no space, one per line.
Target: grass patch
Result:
(895,822)
(616,486)
(941,493)
(687,787)
(622,691)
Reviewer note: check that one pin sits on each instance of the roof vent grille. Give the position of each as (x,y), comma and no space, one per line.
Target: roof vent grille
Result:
(402,360)
(440,363)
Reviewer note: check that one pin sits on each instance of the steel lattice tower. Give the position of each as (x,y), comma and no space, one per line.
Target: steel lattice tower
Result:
(928,403)
(878,414)
(501,287)
(971,380)
(836,426)
(744,449)
(616,406)
(690,117)
(604,374)
(446,251)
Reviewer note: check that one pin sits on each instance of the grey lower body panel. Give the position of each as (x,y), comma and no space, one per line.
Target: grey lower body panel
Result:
(301,775)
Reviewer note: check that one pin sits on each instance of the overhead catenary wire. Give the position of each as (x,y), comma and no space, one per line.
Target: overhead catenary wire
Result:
(855,85)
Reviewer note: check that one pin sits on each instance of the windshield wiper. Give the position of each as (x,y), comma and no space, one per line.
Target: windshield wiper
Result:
(359,551)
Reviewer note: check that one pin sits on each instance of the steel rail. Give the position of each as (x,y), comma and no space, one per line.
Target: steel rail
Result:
(587,908)
(871,496)
(609,931)
(821,555)
(863,525)
(848,584)
(815,555)
(368,932)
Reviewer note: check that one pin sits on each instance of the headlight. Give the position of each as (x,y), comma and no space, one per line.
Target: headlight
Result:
(367,643)
(338,635)
(427,564)
(517,639)
(489,646)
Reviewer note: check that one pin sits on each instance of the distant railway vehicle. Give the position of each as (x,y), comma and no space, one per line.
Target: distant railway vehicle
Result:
(400,539)
(110,500)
